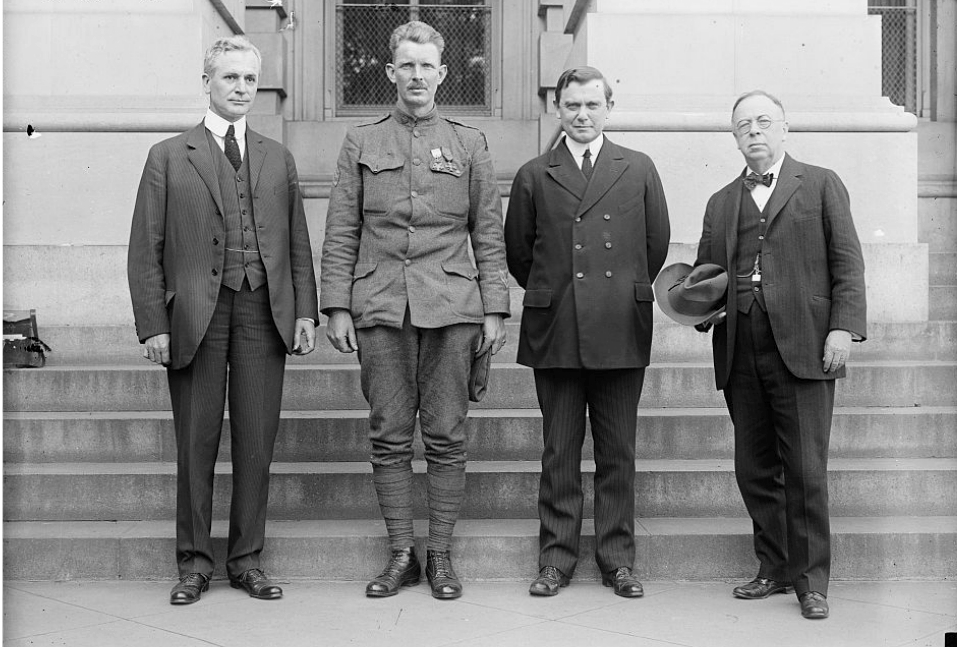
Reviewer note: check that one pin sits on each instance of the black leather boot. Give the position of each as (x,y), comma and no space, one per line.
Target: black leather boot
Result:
(438,569)
(403,569)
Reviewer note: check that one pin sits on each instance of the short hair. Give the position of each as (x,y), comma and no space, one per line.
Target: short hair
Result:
(416,32)
(228,44)
(582,74)
(758,93)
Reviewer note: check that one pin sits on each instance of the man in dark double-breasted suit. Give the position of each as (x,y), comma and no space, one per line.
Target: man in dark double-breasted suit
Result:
(586,232)
(784,233)
(223,287)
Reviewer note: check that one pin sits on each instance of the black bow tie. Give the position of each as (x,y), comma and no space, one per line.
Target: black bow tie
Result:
(752,179)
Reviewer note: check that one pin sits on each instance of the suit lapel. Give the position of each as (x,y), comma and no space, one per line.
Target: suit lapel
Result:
(199,156)
(563,169)
(733,197)
(608,168)
(257,156)
(787,184)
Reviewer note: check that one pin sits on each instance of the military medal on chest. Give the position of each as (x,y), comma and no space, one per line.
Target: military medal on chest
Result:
(444,162)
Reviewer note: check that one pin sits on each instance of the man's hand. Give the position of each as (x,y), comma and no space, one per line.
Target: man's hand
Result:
(837,349)
(304,328)
(715,319)
(493,334)
(341,332)
(156,349)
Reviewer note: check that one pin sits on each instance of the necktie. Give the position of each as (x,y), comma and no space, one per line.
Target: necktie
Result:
(752,179)
(586,164)
(231,148)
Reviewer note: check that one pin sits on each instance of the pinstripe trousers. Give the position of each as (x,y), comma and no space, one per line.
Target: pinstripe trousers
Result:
(241,346)
(782,425)
(611,399)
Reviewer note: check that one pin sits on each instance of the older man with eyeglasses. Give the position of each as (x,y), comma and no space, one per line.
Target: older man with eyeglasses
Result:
(783,232)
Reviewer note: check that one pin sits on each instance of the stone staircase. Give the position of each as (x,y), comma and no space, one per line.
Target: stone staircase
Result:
(89,467)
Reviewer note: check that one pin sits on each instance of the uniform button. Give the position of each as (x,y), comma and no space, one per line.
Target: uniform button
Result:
(578,246)
(242,195)
(215,241)
(239,178)
(607,217)
(408,262)
(578,219)
(244,212)
(762,219)
(760,237)
(215,272)
(245,246)
(245,228)
(415,194)
(415,132)
(608,274)
(416,161)
(412,228)
(607,245)
(580,275)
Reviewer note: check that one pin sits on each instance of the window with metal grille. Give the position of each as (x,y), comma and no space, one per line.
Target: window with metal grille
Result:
(899,33)
(363,28)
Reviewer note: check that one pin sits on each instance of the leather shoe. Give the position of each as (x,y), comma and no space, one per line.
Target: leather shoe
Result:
(813,605)
(257,585)
(189,588)
(403,569)
(438,570)
(625,582)
(549,580)
(760,588)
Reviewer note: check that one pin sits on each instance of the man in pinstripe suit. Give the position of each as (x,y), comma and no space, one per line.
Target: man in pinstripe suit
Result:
(784,230)
(223,287)
(586,232)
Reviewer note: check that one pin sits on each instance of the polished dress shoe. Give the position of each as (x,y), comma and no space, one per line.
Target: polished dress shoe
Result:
(813,605)
(760,588)
(257,585)
(625,582)
(403,569)
(189,588)
(549,580)
(438,570)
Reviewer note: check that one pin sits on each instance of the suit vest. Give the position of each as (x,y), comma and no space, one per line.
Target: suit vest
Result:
(243,259)
(752,225)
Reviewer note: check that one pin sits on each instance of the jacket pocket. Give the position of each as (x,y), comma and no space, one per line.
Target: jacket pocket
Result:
(381,181)
(644,292)
(462,290)
(629,205)
(537,298)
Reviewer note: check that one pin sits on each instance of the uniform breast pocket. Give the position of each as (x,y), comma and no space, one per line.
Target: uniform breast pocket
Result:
(382,180)
(452,191)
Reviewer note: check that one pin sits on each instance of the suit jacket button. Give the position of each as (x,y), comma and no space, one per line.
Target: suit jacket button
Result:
(408,262)
(607,217)
(580,275)
(215,241)
(215,272)
(607,245)
(608,274)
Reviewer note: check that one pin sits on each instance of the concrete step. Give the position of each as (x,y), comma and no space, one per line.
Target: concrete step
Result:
(869,548)
(495,434)
(496,489)
(336,387)
(100,345)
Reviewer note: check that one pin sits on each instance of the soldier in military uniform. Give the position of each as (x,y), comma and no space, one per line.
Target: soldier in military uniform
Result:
(411,190)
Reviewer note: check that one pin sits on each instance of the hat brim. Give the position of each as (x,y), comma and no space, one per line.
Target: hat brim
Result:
(665,280)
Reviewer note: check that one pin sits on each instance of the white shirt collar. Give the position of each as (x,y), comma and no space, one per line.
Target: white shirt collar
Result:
(218,126)
(577,149)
